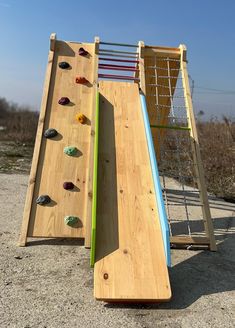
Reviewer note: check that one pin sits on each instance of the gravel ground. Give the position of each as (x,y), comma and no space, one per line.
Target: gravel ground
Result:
(50,284)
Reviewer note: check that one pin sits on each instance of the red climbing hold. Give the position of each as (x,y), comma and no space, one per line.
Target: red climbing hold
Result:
(81,80)
(64,101)
(82,52)
(68,185)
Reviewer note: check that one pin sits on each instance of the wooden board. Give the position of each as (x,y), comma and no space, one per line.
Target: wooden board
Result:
(54,167)
(130,261)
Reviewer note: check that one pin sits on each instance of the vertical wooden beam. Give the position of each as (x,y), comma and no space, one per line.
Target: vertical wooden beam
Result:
(92,143)
(141,67)
(33,172)
(196,152)
(95,182)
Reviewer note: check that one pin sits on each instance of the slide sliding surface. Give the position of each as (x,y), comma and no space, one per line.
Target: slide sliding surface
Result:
(130,262)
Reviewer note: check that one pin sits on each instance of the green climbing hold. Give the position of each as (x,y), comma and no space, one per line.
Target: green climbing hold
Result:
(70,150)
(71,220)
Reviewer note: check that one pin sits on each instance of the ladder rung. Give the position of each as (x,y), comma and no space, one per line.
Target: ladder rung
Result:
(170,127)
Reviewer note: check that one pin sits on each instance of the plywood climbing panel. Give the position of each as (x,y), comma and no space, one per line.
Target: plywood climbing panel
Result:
(67,107)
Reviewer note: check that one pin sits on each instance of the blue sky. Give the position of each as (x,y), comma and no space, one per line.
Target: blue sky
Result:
(207,27)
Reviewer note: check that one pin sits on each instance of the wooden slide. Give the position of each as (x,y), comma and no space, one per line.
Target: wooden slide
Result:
(130,264)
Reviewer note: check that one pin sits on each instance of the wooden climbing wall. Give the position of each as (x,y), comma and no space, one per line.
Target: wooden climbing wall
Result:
(51,167)
(130,263)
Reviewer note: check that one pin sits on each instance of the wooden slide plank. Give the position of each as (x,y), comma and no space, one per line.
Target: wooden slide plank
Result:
(54,167)
(130,261)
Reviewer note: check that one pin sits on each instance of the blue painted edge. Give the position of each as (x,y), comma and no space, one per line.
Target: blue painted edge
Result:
(157,183)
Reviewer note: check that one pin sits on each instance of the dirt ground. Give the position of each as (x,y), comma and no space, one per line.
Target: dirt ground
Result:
(50,284)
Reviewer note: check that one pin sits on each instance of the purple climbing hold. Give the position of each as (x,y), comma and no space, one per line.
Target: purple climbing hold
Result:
(82,52)
(64,101)
(68,185)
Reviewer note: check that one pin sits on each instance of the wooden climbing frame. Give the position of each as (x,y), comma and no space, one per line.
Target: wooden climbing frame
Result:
(164,81)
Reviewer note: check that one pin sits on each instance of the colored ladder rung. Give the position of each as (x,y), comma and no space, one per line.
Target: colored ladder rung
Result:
(115,55)
(118,68)
(119,52)
(119,60)
(120,44)
(118,77)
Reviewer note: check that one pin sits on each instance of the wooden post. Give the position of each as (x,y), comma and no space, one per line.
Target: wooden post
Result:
(91,160)
(196,153)
(33,172)
(141,67)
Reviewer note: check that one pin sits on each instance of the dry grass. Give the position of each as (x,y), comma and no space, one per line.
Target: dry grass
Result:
(217,143)
(19,123)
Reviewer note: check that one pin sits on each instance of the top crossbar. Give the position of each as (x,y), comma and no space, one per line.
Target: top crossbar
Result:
(120,44)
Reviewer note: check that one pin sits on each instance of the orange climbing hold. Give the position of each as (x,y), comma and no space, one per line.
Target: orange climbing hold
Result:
(81,80)
(81,118)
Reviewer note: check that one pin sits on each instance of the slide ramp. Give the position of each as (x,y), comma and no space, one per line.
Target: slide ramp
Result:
(130,263)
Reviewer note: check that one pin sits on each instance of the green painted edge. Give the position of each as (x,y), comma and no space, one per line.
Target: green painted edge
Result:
(170,127)
(95,175)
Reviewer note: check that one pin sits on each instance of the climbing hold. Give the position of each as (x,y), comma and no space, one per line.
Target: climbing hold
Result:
(64,101)
(71,220)
(81,118)
(82,52)
(70,150)
(68,185)
(50,133)
(64,65)
(81,80)
(43,200)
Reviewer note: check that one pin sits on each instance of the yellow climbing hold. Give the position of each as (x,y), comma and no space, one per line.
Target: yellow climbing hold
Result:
(81,118)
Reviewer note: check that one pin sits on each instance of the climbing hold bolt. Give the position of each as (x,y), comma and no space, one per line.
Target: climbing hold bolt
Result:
(68,185)
(106,276)
(82,52)
(71,220)
(43,200)
(81,118)
(81,80)
(50,133)
(64,65)
(64,101)
(70,150)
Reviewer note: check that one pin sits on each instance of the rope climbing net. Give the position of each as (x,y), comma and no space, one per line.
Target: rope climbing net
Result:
(176,147)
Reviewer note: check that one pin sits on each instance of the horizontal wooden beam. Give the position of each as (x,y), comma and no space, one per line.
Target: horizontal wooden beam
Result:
(162,52)
(187,240)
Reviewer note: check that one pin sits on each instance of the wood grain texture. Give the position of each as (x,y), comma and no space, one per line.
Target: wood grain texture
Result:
(37,146)
(54,167)
(199,171)
(130,261)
